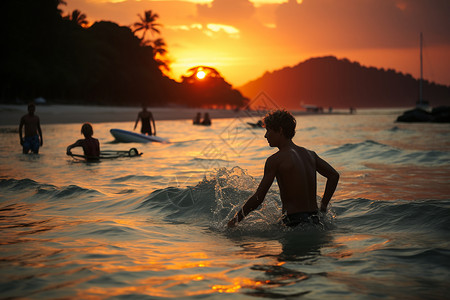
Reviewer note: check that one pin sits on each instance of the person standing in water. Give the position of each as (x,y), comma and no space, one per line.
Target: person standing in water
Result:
(33,133)
(90,145)
(146,116)
(295,169)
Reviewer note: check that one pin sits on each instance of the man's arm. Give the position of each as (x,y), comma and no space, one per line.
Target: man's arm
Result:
(254,201)
(326,170)
(76,144)
(137,120)
(20,130)
(40,131)
(153,121)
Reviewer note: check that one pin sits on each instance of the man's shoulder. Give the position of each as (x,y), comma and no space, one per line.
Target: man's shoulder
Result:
(306,150)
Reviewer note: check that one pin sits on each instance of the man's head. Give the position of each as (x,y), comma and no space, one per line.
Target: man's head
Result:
(281,119)
(31,108)
(87,130)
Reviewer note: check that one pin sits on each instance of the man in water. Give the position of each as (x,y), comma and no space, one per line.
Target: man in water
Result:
(33,133)
(295,169)
(90,145)
(145,117)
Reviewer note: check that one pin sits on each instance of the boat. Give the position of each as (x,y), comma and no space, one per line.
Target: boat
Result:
(125,136)
(258,124)
(422,113)
(421,103)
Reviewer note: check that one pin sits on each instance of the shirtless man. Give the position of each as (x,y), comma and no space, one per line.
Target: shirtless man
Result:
(295,169)
(145,117)
(33,133)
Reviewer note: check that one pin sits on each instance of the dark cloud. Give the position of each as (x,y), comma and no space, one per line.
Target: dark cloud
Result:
(364,23)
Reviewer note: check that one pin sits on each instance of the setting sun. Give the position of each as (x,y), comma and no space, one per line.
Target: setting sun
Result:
(201,74)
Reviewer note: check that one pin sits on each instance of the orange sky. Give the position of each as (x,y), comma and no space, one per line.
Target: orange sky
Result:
(242,38)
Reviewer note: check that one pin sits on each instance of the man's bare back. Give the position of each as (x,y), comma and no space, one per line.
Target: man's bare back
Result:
(294,168)
(296,177)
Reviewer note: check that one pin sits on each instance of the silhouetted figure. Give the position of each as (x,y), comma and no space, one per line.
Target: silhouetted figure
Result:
(206,120)
(352,110)
(295,169)
(197,118)
(90,145)
(33,133)
(146,116)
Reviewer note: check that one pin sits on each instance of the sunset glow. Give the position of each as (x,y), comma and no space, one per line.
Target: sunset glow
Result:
(245,39)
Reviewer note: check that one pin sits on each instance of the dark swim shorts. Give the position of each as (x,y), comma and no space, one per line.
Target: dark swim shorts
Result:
(301,218)
(31,143)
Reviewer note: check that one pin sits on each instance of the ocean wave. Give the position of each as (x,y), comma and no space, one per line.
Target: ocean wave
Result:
(372,151)
(44,191)
(432,216)
(17,185)
(128,178)
(214,200)
(182,204)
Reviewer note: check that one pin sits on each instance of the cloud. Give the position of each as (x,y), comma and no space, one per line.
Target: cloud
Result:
(322,24)
(226,11)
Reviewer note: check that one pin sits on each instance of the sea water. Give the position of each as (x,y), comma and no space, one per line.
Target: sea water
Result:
(154,226)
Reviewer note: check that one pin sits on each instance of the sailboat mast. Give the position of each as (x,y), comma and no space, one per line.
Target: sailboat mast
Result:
(421,72)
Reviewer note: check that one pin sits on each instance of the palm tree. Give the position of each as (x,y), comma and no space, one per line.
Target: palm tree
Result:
(58,3)
(147,23)
(159,47)
(78,18)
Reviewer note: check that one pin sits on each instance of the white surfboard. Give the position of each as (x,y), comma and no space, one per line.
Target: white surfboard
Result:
(125,136)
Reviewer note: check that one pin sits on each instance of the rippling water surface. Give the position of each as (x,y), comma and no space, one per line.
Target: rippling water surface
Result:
(153,227)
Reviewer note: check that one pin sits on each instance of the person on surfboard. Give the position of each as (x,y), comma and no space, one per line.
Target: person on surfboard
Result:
(145,116)
(33,133)
(90,145)
(295,169)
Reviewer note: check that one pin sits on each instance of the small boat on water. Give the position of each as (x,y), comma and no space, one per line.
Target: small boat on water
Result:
(421,112)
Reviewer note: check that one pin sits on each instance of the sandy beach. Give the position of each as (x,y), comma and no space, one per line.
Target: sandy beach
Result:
(67,114)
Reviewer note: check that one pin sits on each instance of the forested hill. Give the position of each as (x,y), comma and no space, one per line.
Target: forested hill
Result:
(46,54)
(331,82)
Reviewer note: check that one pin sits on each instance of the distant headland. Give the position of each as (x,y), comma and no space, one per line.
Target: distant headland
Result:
(331,82)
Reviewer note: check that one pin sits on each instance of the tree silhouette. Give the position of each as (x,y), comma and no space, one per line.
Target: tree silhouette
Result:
(77,18)
(58,3)
(147,23)
(159,53)
(159,47)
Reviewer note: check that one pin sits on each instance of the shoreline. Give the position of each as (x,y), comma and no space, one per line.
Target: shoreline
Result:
(67,114)
(10,114)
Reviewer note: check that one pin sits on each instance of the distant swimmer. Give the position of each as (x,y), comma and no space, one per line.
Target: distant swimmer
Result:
(146,116)
(295,169)
(90,145)
(206,120)
(197,119)
(33,133)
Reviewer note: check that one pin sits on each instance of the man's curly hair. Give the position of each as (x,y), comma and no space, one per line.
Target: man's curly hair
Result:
(281,119)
